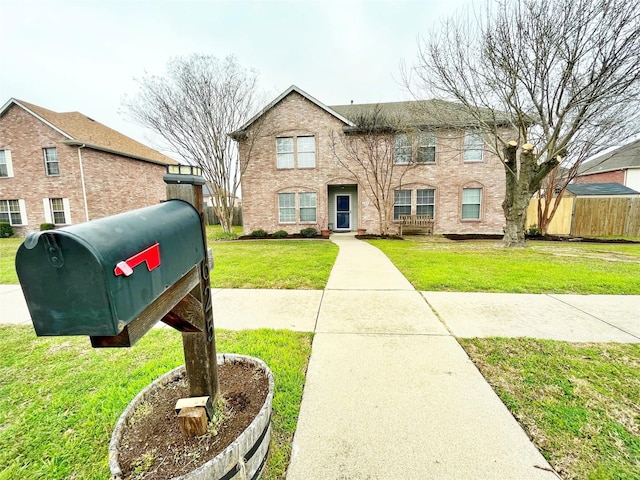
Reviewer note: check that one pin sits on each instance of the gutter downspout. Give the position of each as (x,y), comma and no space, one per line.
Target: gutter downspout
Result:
(84,189)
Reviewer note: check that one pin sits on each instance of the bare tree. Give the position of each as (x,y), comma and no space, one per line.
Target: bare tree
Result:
(563,76)
(367,152)
(194,108)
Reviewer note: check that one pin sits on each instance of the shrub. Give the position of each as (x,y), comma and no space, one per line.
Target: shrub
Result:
(46,226)
(6,230)
(280,234)
(259,233)
(533,231)
(226,236)
(309,232)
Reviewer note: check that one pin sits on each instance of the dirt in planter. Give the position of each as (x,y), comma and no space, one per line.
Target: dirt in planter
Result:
(152,446)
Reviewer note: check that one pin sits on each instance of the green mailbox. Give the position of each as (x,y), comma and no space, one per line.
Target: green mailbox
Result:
(95,278)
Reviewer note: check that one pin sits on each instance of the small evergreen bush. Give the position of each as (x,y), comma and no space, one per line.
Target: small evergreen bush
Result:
(533,231)
(309,232)
(280,234)
(6,230)
(260,233)
(46,226)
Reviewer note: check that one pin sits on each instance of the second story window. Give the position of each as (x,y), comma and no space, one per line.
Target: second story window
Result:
(402,149)
(473,146)
(6,168)
(426,147)
(292,152)
(51,161)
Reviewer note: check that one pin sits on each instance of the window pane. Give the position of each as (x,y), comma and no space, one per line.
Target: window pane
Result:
(402,149)
(426,154)
(425,202)
(471,195)
(307,207)
(470,212)
(10,212)
(51,161)
(306,152)
(57,210)
(473,145)
(471,198)
(286,207)
(402,203)
(284,152)
(4,170)
(4,211)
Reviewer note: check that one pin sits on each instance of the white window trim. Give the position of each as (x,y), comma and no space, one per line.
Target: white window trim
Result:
(283,222)
(22,209)
(410,204)
(8,163)
(300,207)
(48,213)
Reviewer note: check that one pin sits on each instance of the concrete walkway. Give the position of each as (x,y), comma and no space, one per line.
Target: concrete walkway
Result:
(391,394)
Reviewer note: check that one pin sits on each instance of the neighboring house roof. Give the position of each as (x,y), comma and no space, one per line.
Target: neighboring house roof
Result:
(82,130)
(239,133)
(583,189)
(627,156)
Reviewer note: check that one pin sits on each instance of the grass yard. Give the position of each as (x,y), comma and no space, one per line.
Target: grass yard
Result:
(285,264)
(60,398)
(580,403)
(543,267)
(8,249)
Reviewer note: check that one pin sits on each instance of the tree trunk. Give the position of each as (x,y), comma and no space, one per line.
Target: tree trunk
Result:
(521,176)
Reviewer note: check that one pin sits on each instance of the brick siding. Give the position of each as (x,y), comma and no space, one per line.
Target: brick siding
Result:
(295,115)
(616,176)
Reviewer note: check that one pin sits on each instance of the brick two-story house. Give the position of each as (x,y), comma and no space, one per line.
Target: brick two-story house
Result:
(65,168)
(621,165)
(295,176)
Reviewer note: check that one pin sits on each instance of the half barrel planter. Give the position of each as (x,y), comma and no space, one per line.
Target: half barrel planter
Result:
(243,459)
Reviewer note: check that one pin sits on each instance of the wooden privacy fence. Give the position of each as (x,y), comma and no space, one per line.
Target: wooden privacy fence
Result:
(609,216)
(592,216)
(211,218)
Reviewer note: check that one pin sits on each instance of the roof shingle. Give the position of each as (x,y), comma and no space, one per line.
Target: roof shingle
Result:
(81,129)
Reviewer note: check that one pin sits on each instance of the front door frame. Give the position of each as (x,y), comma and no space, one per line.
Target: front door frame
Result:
(348,195)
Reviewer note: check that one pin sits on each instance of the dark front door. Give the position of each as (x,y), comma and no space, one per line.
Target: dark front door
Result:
(343,212)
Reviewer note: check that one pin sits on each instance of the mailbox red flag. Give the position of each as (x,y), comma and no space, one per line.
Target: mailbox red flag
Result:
(150,256)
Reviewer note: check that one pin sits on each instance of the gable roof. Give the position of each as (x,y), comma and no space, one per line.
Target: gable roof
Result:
(239,132)
(583,189)
(82,130)
(627,156)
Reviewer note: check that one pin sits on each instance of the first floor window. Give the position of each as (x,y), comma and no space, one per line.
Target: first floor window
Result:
(284,152)
(425,202)
(402,203)
(12,212)
(473,146)
(307,207)
(6,168)
(57,211)
(51,161)
(471,198)
(286,207)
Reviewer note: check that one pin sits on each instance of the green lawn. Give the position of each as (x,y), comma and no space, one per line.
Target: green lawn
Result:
(60,398)
(286,264)
(543,267)
(580,403)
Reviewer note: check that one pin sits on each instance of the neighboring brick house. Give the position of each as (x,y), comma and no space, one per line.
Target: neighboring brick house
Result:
(65,168)
(292,179)
(621,165)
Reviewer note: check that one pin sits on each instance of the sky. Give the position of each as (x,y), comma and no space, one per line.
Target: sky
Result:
(85,55)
